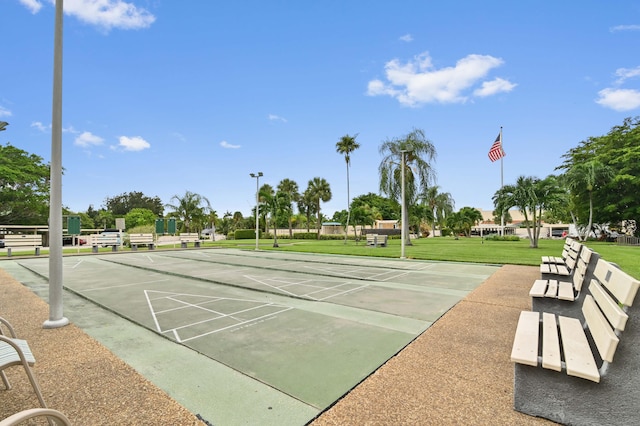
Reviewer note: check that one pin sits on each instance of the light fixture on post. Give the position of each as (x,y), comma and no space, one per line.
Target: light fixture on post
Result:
(257,177)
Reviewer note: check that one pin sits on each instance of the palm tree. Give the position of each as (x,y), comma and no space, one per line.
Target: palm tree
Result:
(189,209)
(320,191)
(289,187)
(531,196)
(346,145)
(419,152)
(587,176)
(306,206)
(441,204)
(276,204)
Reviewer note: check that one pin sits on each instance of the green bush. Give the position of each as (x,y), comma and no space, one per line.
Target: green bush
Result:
(246,234)
(305,235)
(498,237)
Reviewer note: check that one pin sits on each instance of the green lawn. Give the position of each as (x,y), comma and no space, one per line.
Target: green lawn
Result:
(449,249)
(473,250)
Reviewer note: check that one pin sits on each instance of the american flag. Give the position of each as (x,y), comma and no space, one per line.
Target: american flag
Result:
(496,152)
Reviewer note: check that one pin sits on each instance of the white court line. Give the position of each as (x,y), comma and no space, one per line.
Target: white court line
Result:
(235,325)
(155,320)
(124,285)
(150,259)
(269,285)
(231,315)
(186,304)
(77,264)
(345,292)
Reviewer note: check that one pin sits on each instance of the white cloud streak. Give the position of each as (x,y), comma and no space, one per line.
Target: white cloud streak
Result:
(419,82)
(619,99)
(105,14)
(624,28)
(33,5)
(274,117)
(135,143)
(407,38)
(5,112)
(86,139)
(38,125)
(227,145)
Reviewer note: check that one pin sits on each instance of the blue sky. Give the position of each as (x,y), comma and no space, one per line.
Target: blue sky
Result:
(164,97)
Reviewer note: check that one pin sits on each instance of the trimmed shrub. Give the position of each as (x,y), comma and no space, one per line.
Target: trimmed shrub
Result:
(246,234)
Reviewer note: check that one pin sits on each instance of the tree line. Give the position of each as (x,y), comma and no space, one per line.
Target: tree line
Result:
(597,183)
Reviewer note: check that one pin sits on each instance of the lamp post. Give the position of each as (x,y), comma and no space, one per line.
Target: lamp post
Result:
(257,177)
(403,231)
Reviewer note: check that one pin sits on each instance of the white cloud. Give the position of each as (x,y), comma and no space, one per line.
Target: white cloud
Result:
(33,5)
(419,82)
(625,28)
(495,86)
(619,99)
(106,14)
(407,37)
(135,143)
(625,73)
(227,145)
(5,112)
(274,117)
(38,125)
(88,139)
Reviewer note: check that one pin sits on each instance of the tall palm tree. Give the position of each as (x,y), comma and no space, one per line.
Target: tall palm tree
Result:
(441,204)
(345,146)
(587,177)
(189,208)
(320,191)
(264,192)
(419,152)
(306,206)
(289,187)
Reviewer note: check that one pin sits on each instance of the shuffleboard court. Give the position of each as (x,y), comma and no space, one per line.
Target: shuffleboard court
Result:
(310,326)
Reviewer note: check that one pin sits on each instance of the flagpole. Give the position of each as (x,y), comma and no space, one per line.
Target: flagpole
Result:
(501,182)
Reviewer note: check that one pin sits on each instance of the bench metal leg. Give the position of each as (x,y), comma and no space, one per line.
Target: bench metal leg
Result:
(8,251)
(94,249)
(183,244)
(134,247)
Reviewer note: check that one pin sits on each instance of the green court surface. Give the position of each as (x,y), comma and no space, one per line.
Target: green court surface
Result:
(309,326)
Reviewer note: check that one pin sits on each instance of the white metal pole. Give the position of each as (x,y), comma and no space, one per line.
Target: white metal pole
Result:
(56,318)
(403,213)
(501,182)
(257,177)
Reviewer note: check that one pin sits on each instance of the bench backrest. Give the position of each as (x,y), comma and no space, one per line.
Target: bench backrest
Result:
(604,308)
(189,237)
(16,240)
(140,238)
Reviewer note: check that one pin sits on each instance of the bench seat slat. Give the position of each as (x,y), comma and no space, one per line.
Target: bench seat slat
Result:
(565,291)
(550,343)
(538,288)
(525,343)
(552,290)
(577,353)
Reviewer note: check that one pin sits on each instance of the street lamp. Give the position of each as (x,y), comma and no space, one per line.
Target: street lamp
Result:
(257,176)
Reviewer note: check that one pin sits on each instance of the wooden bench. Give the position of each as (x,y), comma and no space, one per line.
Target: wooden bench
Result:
(136,240)
(551,270)
(564,370)
(564,297)
(565,252)
(189,238)
(22,240)
(376,240)
(97,241)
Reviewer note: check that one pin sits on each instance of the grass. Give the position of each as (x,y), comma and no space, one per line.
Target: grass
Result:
(474,250)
